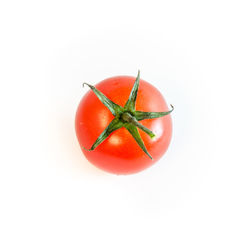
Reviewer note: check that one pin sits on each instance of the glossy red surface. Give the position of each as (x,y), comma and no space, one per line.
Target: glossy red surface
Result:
(119,153)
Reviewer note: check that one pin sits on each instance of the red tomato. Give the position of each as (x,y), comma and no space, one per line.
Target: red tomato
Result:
(120,153)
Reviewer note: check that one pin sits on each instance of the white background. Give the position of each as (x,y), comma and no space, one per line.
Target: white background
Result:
(197,53)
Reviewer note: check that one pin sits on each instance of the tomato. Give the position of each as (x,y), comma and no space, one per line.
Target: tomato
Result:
(120,152)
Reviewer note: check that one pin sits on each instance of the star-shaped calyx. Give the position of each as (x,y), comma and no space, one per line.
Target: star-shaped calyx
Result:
(126,117)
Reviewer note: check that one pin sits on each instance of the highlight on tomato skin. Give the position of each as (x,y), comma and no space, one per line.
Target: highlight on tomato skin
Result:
(123,124)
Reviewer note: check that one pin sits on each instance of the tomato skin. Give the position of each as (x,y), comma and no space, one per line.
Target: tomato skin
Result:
(119,153)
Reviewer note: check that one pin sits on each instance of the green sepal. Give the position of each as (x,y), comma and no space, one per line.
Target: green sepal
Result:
(140,115)
(126,117)
(130,104)
(114,108)
(114,125)
(135,133)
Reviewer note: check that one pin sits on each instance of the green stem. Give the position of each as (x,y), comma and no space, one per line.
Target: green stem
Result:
(130,119)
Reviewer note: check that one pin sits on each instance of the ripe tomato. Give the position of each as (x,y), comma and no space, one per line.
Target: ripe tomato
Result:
(120,153)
